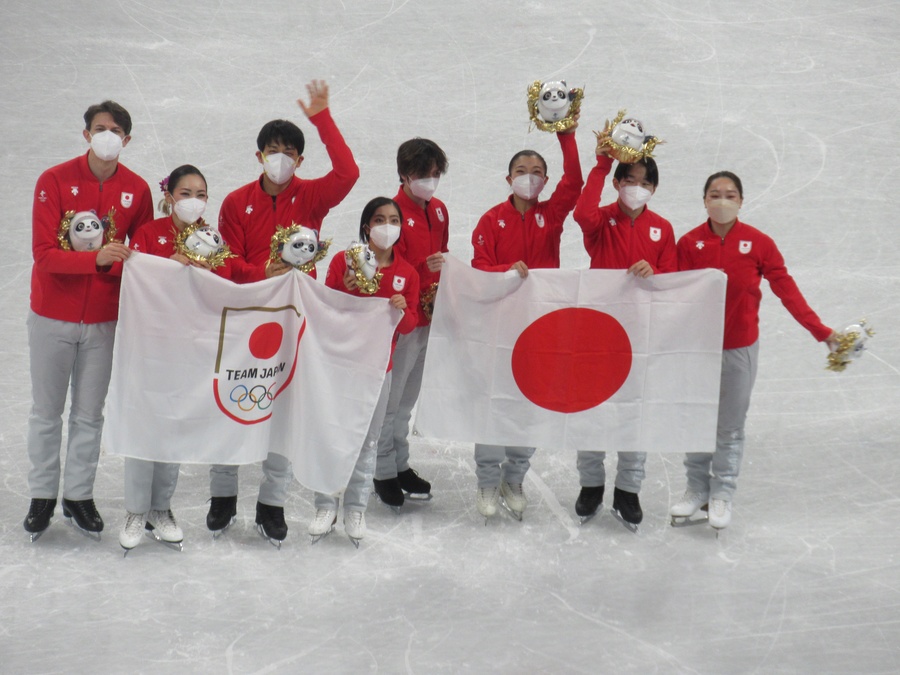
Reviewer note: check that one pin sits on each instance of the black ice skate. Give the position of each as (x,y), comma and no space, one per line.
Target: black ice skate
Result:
(222,514)
(627,509)
(38,519)
(270,523)
(390,493)
(83,516)
(415,487)
(588,503)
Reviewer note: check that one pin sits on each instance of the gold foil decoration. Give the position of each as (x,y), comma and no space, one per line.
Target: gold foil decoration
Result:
(567,122)
(366,286)
(281,237)
(214,260)
(427,300)
(851,344)
(62,235)
(619,152)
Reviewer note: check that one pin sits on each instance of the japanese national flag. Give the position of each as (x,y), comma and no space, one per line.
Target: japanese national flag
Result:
(212,372)
(577,359)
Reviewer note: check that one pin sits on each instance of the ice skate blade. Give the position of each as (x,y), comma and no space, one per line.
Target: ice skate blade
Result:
(418,496)
(584,519)
(687,521)
(515,514)
(174,545)
(354,541)
(34,536)
(316,538)
(218,533)
(395,509)
(631,527)
(90,535)
(262,533)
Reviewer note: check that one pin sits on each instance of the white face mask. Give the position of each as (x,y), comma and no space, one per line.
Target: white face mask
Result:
(189,210)
(528,186)
(634,196)
(423,188)
(106,145)
(384,236)
(279,167)
(722,210)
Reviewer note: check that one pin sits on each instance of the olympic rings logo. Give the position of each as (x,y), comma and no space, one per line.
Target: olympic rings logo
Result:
(256,397)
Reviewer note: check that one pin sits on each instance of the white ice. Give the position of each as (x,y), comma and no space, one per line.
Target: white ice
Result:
(800,98)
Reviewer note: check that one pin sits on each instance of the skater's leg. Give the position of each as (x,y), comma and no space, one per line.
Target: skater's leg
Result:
(738,376)
(418,339)
(518,461)
(165,479)
(223,480)
(138,475)
(90,382)
(277,475)
(356,496)
(487,464)
(630,471)
(591,468)
(52,347)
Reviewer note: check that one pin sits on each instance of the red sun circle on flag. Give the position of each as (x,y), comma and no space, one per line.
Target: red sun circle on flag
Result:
(571,359)
(265,340)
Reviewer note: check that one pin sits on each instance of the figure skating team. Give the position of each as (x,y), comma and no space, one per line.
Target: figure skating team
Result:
(74,307)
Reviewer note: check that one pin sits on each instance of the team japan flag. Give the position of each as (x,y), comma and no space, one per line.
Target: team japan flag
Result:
(207,371)
(576,359)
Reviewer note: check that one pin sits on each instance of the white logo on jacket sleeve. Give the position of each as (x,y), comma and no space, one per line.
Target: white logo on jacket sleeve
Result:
(655,234)
(539,219)
(75,190)
(481,240)
(399,283)
(162,240)
(440,213)
(42,197)
(127,198)
(745,246)
(249,209)
(700,245)
(612,222)
(410,222)
(501,224)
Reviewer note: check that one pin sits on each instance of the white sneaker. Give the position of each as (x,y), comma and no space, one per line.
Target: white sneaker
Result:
(486,500)
(132,531)
(689,504)
(514,496)
(355,525)
(164,526)
(719,513)
(323,523)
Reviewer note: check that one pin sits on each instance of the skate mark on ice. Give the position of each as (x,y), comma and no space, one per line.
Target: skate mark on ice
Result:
(555,507)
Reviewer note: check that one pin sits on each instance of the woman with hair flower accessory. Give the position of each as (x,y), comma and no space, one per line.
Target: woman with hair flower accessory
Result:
(149,485)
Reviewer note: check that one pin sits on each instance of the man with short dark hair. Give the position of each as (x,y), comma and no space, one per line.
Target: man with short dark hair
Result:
(247,220)
(74,308)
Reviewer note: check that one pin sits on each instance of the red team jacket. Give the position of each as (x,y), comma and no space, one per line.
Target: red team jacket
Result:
(504,236)
(158,238)
(425,231)
(249,215)
(746,255)
(612,239)
(67,285)
(399,277)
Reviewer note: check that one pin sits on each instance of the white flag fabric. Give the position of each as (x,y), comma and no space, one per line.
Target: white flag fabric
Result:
(207,371)
(575,359)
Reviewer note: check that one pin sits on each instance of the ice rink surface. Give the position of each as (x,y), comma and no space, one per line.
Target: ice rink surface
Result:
(799,98)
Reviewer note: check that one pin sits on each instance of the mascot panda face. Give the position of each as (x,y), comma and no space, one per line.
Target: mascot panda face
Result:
(301,247)
(204,241)
(553,101)
(365,260)
(86,232)
(630,133)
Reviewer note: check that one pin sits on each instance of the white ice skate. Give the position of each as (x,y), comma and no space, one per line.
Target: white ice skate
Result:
(690,503)
(322,525)
(486,501)
(355,526)
(513,499)
(719,514)
(132,531)
(162,527)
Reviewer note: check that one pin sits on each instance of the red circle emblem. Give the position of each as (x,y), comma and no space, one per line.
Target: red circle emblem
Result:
(265,340)
(571,359)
